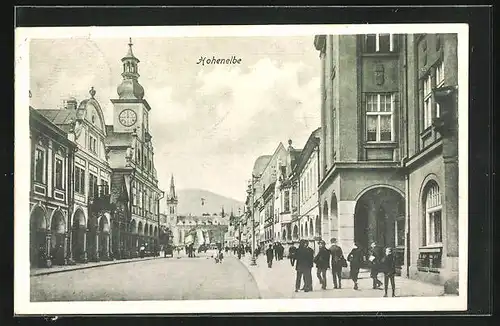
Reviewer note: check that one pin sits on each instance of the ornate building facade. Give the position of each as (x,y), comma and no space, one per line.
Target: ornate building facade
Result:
(134,181)
(52,156)
(90,207)
(388,150)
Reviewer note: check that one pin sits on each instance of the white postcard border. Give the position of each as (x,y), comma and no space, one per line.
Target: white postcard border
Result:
(22,304)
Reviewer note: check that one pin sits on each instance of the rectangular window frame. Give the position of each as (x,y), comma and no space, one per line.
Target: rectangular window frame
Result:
(392,45)
(379,114)
(59,184)
(43,167)
(93,188)
(93,144)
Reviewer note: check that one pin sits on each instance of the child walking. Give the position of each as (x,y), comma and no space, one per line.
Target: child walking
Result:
(389,268)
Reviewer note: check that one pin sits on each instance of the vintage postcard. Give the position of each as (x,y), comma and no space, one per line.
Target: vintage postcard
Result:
(226,169)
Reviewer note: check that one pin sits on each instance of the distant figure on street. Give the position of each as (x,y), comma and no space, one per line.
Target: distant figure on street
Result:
(142,250)
(338,261)
(281,251)
(304,264)
(269,256)
(276,251)
(356,258)
(219,256)
(322,261)
(388,266)
(375,255)
(291,254)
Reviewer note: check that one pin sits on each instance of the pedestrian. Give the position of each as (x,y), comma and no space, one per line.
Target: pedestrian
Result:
(376,254)
(388,266)
(338,261)
(355,258)
(291,254)
(304,264)
(142,250)
(269,256)
(322,261)
(282,251)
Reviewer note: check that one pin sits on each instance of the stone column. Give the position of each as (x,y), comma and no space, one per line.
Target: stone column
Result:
(48,249)
(84,253)
(345,213)
(65,247)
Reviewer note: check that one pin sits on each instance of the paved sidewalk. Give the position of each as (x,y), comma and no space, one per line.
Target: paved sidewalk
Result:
(278,282)
(78,266)
(66,268)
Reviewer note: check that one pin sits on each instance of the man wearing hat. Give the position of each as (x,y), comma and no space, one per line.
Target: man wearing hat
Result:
(337,263)
(322,261)
(304,264)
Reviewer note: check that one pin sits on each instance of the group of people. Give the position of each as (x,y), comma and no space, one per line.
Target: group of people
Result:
(303,259)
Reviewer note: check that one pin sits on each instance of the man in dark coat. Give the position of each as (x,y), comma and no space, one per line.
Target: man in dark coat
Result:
(388,266)
(356,258)
(375,255)
(269,256)
(291,254)
(337,261)
(305,258)
(322,261)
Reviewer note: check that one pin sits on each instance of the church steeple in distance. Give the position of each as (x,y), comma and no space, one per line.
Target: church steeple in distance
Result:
(130,87)
(172,195)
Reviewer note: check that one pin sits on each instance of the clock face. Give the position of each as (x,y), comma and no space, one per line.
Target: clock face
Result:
(127,117)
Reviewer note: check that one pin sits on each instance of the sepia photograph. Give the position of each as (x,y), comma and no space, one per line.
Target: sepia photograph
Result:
(241,169)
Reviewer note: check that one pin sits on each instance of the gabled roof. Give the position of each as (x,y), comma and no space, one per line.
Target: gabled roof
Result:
(58,116)
(312,141)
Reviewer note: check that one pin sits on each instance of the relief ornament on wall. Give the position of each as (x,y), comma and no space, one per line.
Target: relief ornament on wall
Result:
(379,74)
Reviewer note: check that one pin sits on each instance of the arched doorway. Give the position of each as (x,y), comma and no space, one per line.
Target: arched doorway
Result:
(325,222)
(38,237)
(104,230)
(375,215)
(140,232)
(289,232)
(135,238)
(78,245)
(58,238)
(93,237)
(318,226)
(334,219)
(295,232)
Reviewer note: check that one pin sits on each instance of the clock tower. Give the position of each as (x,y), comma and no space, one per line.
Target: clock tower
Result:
(131,110)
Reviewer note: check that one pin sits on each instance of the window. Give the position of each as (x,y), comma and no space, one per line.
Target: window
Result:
(433,220)
(93,144)
(105,187)
(93,192)
(439,83)
(79,180)
(134,194)
(39,165)
(379,117)
(59,173)
(427,102)
(287,201)
(381,43)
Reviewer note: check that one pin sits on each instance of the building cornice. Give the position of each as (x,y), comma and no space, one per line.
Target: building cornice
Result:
(371,165)
(418,159)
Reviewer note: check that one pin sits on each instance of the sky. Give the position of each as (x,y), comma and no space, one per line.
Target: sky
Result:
(209,123)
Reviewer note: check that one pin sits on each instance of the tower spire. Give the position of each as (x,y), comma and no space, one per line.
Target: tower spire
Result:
(172,194)
(130,87)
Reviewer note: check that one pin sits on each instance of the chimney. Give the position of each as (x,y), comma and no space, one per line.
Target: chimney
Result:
(71,103)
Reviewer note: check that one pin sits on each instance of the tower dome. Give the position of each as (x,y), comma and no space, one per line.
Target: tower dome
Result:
(130,87)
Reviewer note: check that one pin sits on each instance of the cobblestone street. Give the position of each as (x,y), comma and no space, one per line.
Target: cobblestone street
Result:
(175,278)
